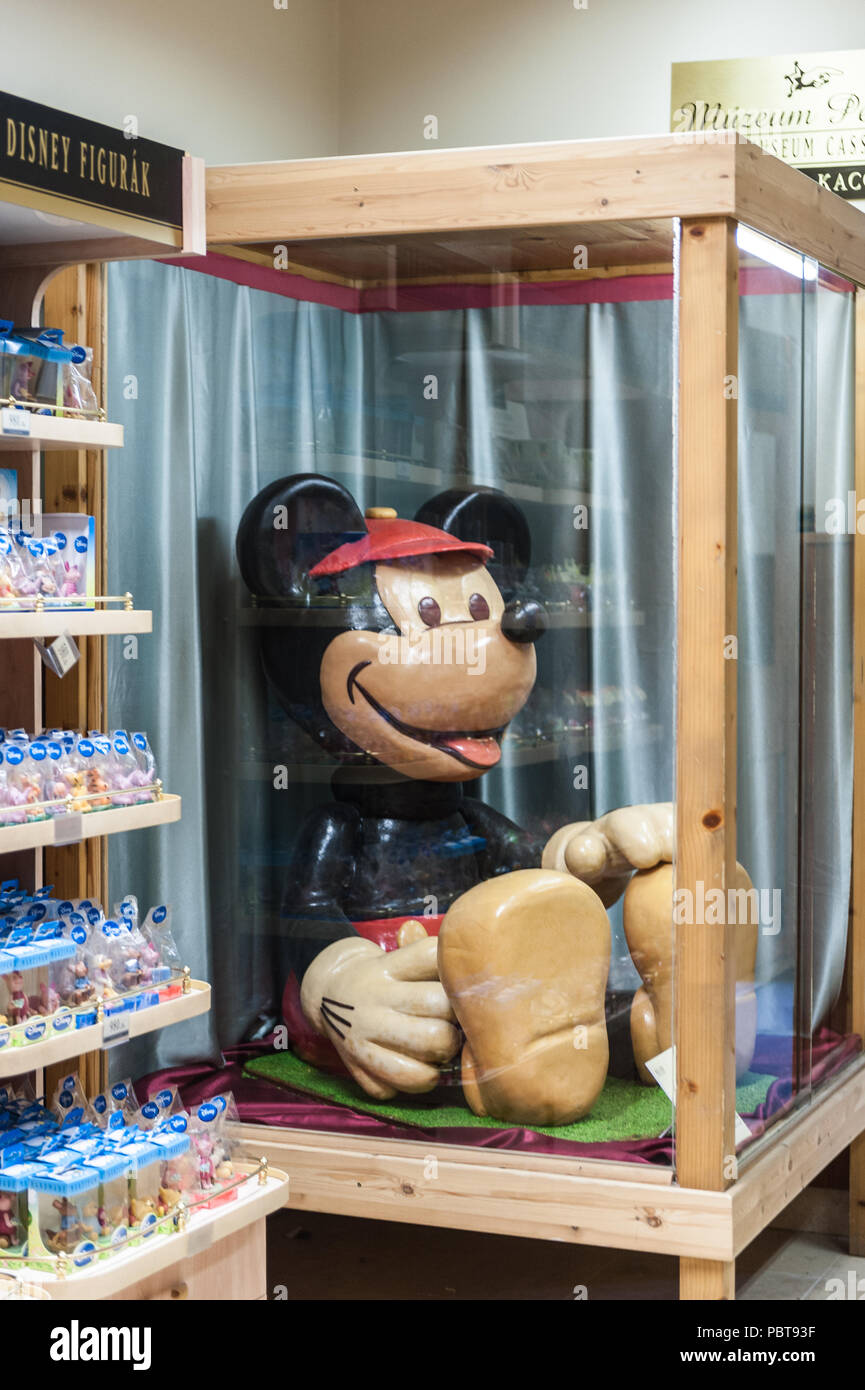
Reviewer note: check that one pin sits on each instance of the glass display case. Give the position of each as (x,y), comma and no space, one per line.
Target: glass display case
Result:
(545,678)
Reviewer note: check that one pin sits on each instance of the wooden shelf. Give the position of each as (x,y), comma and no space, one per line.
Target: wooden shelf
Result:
(59,830)
(52,432)
(76,621)
(255,1200)
(15,1061)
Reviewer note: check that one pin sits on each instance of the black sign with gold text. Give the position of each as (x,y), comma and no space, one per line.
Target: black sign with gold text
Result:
(68,157)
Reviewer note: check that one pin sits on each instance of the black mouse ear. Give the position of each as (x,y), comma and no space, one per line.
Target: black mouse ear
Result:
(291,525)
(487,515)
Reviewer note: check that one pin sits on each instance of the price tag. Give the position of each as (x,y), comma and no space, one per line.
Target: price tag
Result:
(115,1029)
(14,421)
(61,654)
(68,830)
(663,1068)
(740,1130)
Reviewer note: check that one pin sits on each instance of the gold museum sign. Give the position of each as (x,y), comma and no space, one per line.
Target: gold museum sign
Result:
(807,109)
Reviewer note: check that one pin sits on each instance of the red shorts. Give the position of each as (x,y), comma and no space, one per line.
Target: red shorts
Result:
(309,1044)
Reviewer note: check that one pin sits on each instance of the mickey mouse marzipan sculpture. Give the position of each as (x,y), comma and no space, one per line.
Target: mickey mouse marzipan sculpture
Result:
(411,652)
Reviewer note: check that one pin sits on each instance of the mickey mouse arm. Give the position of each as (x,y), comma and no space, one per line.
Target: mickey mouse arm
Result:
(385,1013)
(605,852)
(506,847)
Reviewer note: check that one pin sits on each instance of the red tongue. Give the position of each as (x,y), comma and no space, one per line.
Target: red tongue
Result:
(485,752)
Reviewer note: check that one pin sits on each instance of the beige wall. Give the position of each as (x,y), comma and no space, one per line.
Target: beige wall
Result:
(229,80)
(494,71)
(240,80)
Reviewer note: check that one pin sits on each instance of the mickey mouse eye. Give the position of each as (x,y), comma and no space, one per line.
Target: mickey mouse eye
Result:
(429,611)
(478,607)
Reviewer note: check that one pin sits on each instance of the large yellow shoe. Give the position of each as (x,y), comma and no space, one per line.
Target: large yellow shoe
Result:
(524,960)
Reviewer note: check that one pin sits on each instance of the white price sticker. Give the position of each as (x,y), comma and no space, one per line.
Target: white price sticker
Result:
(68,829)
(65,653)
(663,1068)
(60,655)
(115,1029)
(14,421)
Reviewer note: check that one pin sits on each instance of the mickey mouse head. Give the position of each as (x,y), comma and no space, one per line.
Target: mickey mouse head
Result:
(429,661)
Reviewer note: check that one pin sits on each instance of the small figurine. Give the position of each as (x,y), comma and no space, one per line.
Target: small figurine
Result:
(70,1225)
(19,1005)
(23,380)
(82,989)
(76,791)
(149,959)
(32,790)
(126,781)
(49,999)
(12,796)
(169,1194)
(110,1221)
(204,1148)
(102,977)
(224,1170)
(132,973)
(69,587)
(9,1227)
(139,1207)
(96,784)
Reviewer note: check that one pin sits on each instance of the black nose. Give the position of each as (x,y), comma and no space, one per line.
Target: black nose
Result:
(524,622)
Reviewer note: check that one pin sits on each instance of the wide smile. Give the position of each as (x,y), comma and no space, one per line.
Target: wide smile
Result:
(479,748)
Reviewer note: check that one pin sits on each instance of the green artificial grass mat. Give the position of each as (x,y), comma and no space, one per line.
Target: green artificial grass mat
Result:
(623,1110)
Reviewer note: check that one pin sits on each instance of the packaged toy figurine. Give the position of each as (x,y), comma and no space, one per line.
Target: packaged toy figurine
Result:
(126,774)
(160,1107)
(119,1098)
(14,1206)
(67,1208)
(112,1213)
(212,1142)
(61,771)
(69,1103)
(78,393)
(37,358)
(144,1161)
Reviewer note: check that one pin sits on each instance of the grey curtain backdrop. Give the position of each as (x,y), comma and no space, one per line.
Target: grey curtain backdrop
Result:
(222,388)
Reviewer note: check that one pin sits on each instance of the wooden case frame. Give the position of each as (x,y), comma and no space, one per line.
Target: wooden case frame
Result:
(611,196)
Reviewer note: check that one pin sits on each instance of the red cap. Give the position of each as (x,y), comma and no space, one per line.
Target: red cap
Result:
(394,539)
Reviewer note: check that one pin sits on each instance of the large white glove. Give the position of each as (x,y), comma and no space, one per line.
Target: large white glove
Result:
(385,1012)
(605,852)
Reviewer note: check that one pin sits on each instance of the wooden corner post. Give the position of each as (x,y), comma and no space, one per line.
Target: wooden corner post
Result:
(705,1018)
(855,974)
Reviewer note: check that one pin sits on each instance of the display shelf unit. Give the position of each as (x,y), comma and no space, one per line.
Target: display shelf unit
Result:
(164,1265)
(68,829)
(493,217)
(76,621)
(52,270)
(16,1061)
(48,432)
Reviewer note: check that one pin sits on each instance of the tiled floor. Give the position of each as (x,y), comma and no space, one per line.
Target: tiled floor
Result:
(315,1256)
